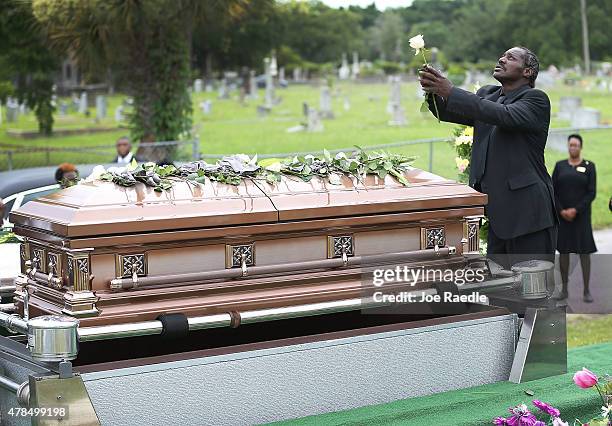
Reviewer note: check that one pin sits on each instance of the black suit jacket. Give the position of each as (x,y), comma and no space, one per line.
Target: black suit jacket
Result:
(507,160)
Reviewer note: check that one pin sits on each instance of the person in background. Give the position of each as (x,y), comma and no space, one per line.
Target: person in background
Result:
(574,180)
(66,175)
(124,151)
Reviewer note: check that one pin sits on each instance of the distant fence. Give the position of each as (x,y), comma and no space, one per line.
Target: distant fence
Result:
(14,156)
(554,136)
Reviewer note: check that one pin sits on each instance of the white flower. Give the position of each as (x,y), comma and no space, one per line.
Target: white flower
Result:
(605,411)
(243,157)
(463,139)
(95,173)
(417,43)
(462,163)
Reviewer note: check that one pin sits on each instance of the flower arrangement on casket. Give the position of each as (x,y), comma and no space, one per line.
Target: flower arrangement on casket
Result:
(233,169)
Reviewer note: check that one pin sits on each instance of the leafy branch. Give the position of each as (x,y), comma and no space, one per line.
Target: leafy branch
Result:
(233,169)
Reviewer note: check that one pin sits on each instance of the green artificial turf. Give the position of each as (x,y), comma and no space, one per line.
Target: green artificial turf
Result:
(479,405)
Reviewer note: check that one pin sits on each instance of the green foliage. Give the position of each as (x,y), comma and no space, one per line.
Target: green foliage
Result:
(7,237)
(233,169)
(146,44)
(27,60)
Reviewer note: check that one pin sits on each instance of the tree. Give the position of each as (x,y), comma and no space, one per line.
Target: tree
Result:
(146,44)
(26,61)
(388,36)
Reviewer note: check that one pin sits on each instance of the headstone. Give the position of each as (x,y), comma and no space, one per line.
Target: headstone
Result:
(209,87)
(394,106)
(281,73)
(344,72)
(197,85)
(313,121)
(269,95)
(355,70)
(206,106)
(83,103)
(75,103)
(347,104)
(325,104)
(23,109)
(398,116)
(119,114)
(585,118)
(100,107)
(545,79)
(273,66)
(63,108)
(253,93)
(395,96)
(223,90)
(12,110)
(568,105)
(297,74)
(263,111)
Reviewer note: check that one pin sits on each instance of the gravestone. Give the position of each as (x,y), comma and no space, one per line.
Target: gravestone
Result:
(12,110)
(269,94)
(281,74)
(395,95)
(394,106)
(344,71)
(585,118)
(223,90)
(347,104)
(297,74)
(63,108)
(119,114)
(83,103)
(568,105)
(197,85)
(263,111)
(206,106)
(209,87)
(253,93)
(313,119)
(325,104)
(100,107)
(355,70)
(273,66)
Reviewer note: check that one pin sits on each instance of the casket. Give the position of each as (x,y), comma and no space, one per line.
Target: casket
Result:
(206,294)
(108,254)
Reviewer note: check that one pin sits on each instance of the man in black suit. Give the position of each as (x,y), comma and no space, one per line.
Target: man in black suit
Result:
(510,131)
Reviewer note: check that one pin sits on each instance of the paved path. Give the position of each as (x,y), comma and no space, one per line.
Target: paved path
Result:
(601,278)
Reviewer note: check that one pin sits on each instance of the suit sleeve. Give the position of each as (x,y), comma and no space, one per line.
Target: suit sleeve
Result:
(591,191)
(555,181)
(531,112)
(445,114)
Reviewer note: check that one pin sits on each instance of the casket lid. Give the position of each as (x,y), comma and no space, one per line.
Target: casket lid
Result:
(103,208)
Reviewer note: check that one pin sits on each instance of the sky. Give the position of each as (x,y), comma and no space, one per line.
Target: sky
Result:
(380,4)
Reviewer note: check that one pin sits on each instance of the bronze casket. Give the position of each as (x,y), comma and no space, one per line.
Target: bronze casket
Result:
(109,254)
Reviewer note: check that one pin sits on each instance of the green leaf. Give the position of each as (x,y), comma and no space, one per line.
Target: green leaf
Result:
(327,156)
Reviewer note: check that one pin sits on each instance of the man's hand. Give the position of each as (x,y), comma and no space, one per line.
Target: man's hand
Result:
(432,81)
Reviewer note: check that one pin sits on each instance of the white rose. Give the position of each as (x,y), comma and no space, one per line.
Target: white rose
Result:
(417,43)
(95,174)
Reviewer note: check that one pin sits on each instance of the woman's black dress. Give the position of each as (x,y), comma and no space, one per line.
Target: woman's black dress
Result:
(575,187)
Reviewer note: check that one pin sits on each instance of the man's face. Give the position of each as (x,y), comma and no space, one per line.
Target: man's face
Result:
(511,66)
(123,147)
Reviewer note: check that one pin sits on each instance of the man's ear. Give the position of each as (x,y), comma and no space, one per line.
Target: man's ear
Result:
(527,73)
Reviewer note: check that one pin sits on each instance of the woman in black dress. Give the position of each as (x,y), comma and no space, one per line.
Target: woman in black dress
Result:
(574,182)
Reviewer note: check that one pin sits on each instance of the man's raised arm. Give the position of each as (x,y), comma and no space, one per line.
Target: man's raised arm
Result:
(531,112)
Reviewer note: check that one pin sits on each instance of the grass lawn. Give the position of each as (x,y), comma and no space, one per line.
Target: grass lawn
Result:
(583,330)
(233,128)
